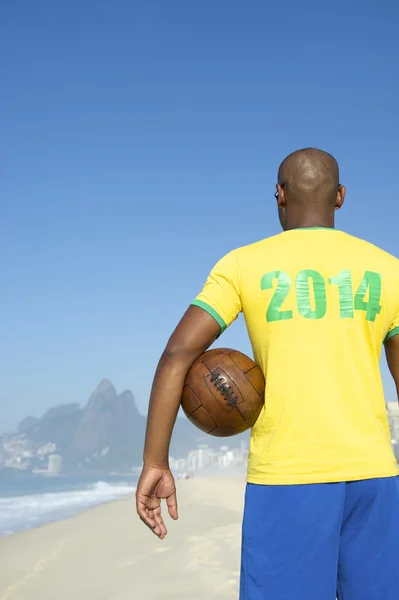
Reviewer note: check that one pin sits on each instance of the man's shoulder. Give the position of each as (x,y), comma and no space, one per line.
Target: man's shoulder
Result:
(256,247)
(372,249)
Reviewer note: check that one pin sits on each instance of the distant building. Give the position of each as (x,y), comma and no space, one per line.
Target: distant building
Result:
(208,460)
(393,419)
(46,449)
(192,462)
(54,464)
(243,448)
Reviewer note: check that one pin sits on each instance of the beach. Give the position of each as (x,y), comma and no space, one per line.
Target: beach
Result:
(106,553)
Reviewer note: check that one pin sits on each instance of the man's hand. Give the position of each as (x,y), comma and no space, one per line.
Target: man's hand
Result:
(156,483)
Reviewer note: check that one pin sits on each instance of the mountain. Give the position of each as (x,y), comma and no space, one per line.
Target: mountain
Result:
(56,426)
(26,424)
(107,434)
(110,430)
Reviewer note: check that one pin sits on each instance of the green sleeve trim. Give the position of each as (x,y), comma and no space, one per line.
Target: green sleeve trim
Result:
(393,332)
(212,312)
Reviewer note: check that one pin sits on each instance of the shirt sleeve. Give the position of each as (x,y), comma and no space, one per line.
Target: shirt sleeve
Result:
(394,329)
(393,283)
(220,296)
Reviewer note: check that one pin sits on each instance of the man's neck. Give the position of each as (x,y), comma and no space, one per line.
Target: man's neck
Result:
(311,221)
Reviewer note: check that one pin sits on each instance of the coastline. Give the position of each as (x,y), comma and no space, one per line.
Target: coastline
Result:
(25,504)
(106,553)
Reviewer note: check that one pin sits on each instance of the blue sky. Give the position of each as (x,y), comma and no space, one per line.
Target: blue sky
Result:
(140,142)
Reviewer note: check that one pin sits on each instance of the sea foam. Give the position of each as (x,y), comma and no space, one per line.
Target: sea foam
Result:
(23,512)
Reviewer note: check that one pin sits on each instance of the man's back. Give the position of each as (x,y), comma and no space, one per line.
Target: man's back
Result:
(318,304)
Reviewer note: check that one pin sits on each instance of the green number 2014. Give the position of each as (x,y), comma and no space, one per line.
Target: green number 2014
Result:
(369,287)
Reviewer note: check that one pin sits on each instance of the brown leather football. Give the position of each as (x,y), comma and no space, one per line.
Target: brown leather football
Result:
(224,392)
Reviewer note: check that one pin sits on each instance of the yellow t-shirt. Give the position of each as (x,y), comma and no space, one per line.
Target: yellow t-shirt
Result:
(318,305)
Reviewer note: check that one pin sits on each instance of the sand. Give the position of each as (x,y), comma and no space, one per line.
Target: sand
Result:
(108,554)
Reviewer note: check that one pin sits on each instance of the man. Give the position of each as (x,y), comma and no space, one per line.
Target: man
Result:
(322,500)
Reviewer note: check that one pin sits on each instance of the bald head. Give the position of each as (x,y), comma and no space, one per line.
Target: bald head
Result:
(310,176)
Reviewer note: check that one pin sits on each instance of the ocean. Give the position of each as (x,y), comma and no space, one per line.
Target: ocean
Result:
(28,501)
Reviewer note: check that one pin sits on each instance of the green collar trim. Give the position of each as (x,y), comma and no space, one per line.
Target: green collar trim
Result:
(309,228)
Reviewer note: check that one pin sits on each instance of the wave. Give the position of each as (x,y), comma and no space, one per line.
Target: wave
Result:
(24,512)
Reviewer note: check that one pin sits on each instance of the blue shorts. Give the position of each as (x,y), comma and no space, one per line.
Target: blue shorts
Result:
(321,541)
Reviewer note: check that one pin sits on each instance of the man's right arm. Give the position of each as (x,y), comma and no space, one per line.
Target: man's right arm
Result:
(392,354)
